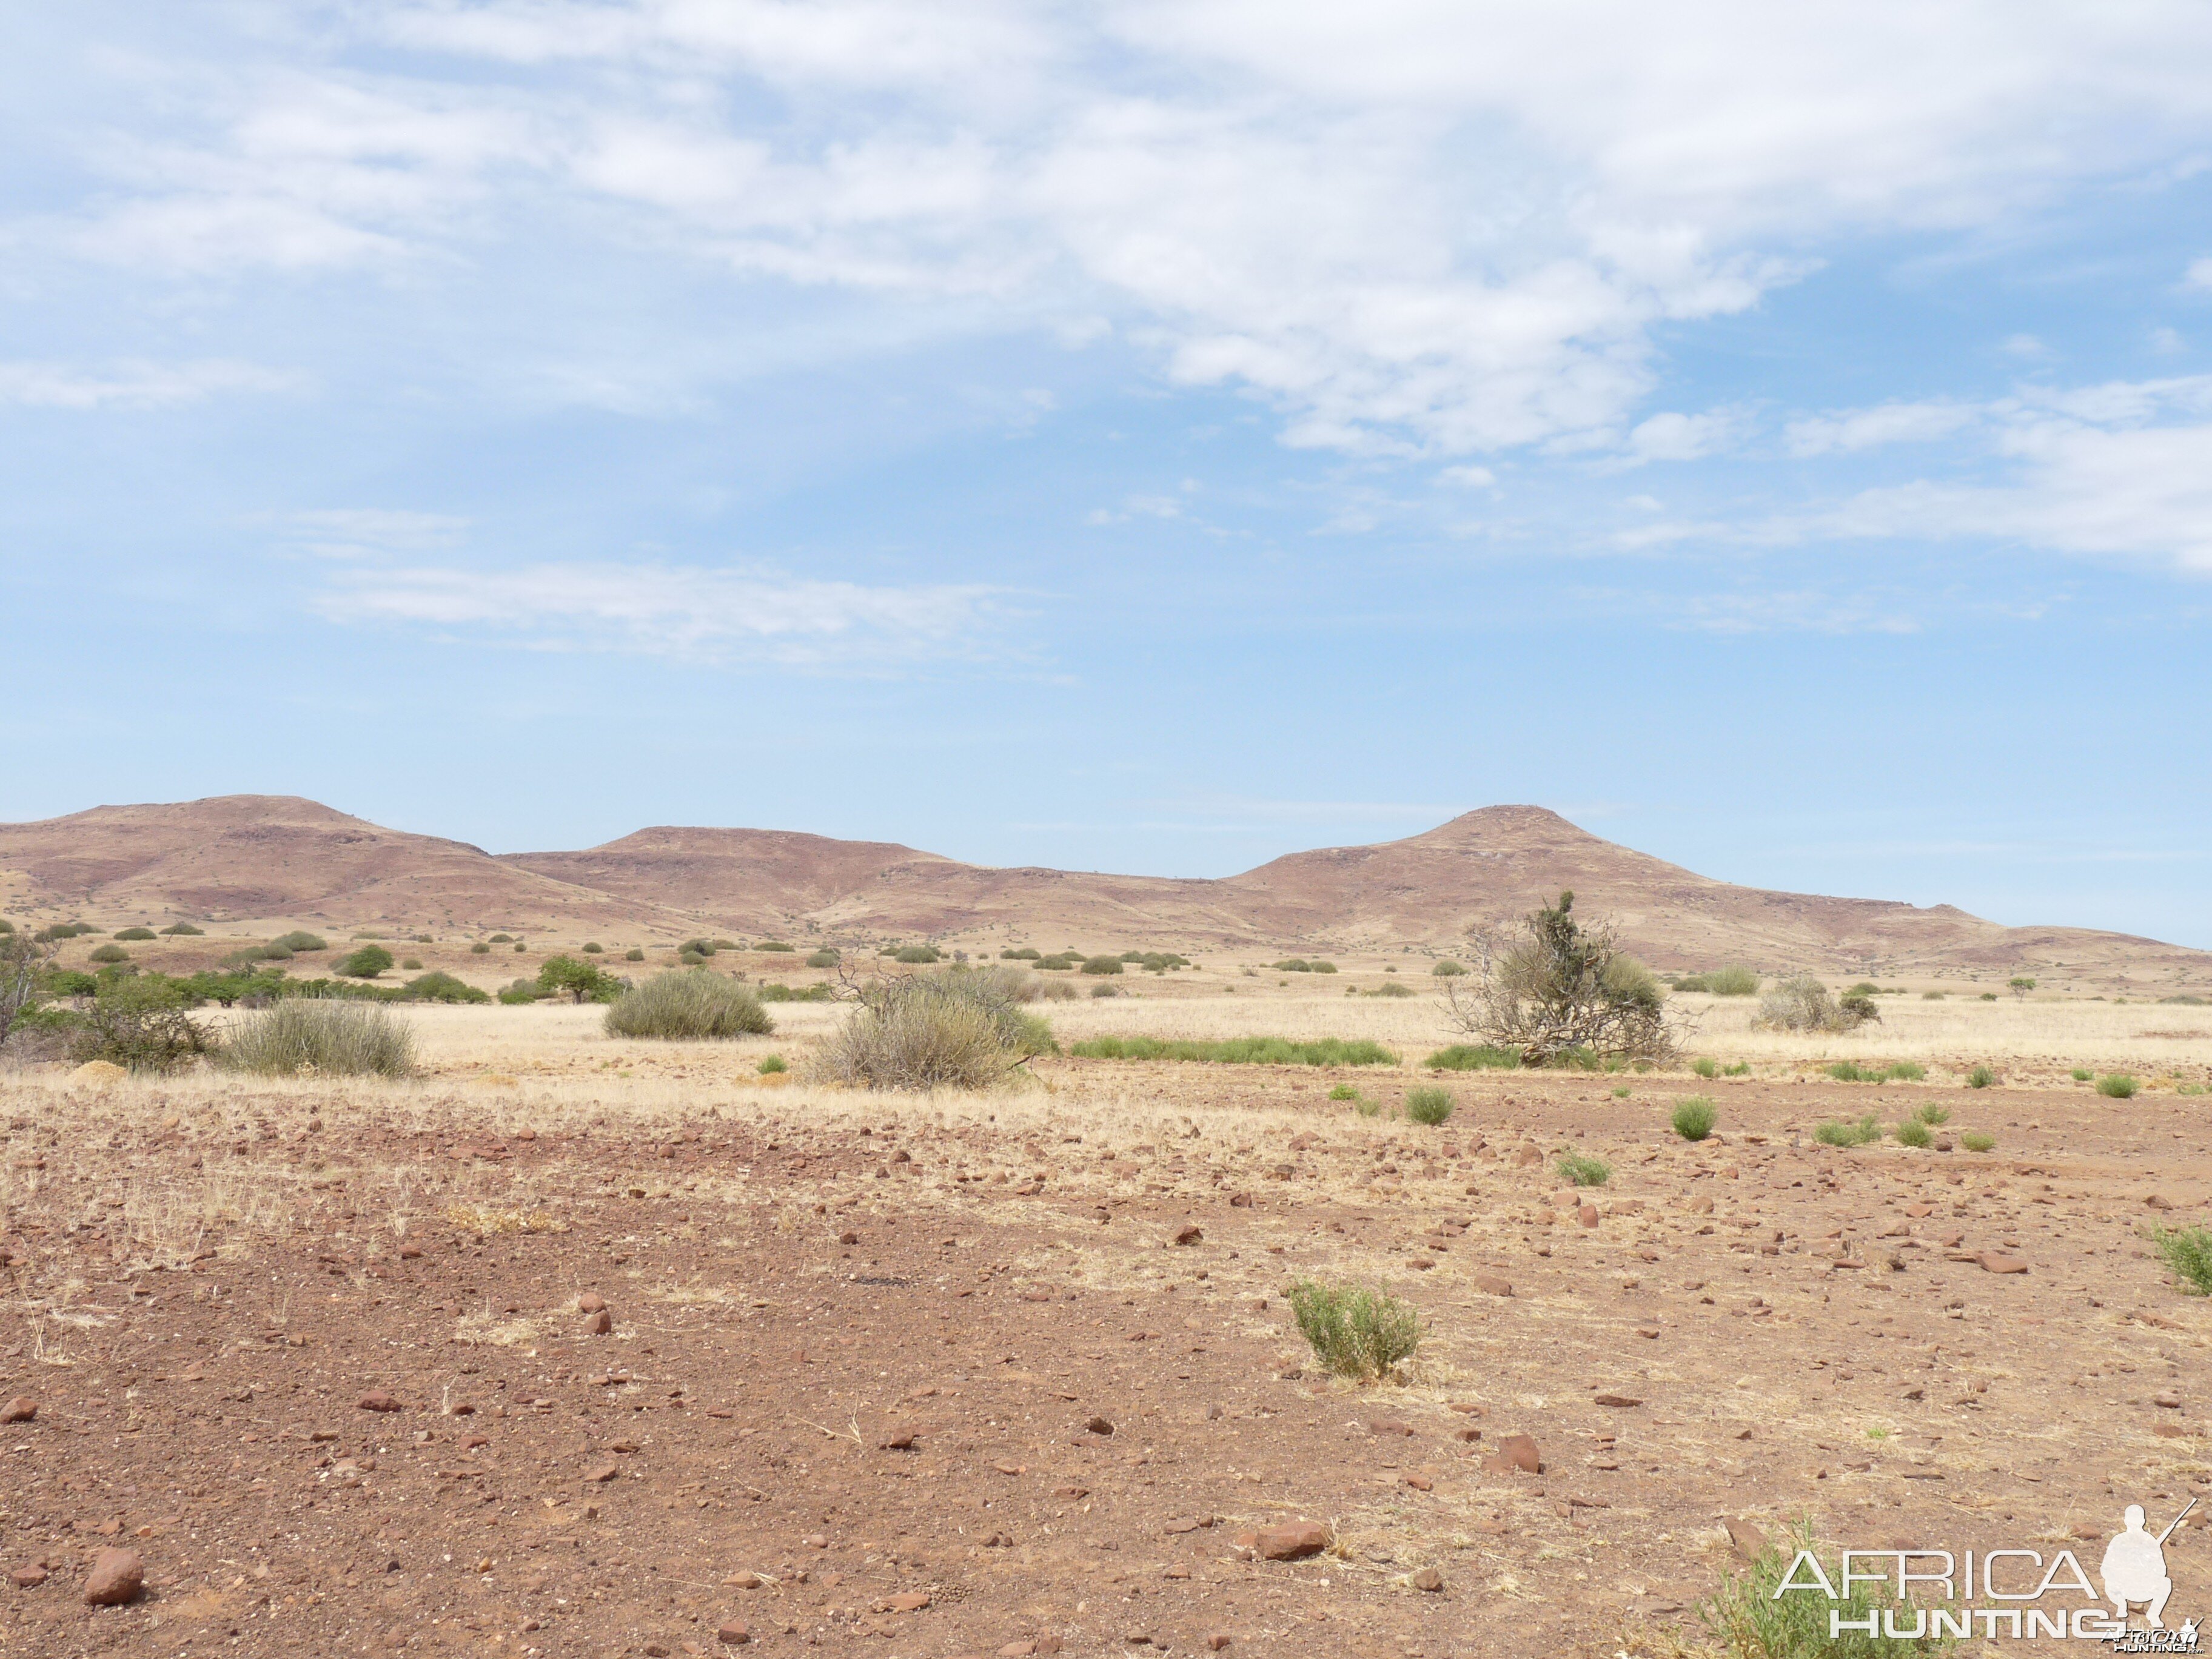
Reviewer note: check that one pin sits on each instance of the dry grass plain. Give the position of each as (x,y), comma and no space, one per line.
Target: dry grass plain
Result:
(862,1346)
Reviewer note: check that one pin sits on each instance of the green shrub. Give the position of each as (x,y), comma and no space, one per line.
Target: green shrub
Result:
(687,1004)
(1934,996)
(592,948)
(1240,1051)
(2081,1074)
(633,955)
(2188,1252)
(1732,983)
(1975,1141)
(775,944)
(958,1029)
(1749,1619)
(1447,969)
(502,939)
(823,958)
(1980,1077)
(367,962)
(110,953)
(1474,1057)
(519,947)
(771,1065)
(2116,1085)
(335,1039)
(1902,1071)
(773,992)
(1428,1105)
(1344,1092)
(1102,989)
(1300,965)
(1356,1332)
(1863,1132)
(411,965)
(1391,988)
(1708,1069)
(580,982)
(8,927)
(138,1022)
(1102,964)
(480,949)
(1938,1115)
(63,930)
(919,953)
(300,942)
(134,935)
(1580,1169)
(1914,1133)
(1988,996)
(1741,1068)
(1694,1117)
(440,987)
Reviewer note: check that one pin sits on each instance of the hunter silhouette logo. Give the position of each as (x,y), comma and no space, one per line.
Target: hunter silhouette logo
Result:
(2013,1593)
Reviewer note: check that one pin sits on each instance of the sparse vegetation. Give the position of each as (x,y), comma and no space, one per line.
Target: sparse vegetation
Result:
(2019,985)
(1240,1051)
(1980,1077)
(367,962)
(1583,1170)
(481,949)
(23,964)
(2117,1085)
(1428,1105)
(917,954)
(593,948)
(110,953)
(1803,1003)
(1934,996)
(1938,1115)
(1102,964)
(774,991)
(2188,1252)
(771,1065)
(959,1029)
(1722,982)
(687,1004)
(1355,1332)
(1864,1132)
(1563,986)
(1474,1057)
(411,965)
(1901,1071)
(633,954)
(337,1039)
(1024,953)
(1748,1619)
(1975,1141)
(1344,1092)
(1694,1117)
(1708,1069)
(300,942)
(183,930)
(440,987)
(1447,969)
(2080,1074)
(1913,1132)
(1300,965)
(775,944)
(1391,988)
(134,935)
(824,957)
(139,1022)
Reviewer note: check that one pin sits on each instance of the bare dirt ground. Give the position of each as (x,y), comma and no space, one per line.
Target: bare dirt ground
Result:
(916,1377)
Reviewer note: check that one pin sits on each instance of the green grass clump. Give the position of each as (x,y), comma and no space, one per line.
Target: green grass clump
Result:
(1102,964)
(1448,970)
(1901,1071)
(367,962)
(774,944)
(1913,1132)
(1975,1141)
(174,930)
(1741,1068)
(917,953)
(1732,983)
(1391,988)
(110,953)
(687,1004)
(771,1065)
(1474,1057)
(1356,1332)
(1694,1117)
(1344,1092)
(2081,1074)
(1980,1077)
(134,935)
(1580,1169)
(2116,1085)
(633,954)
(329,1038)
(2188,1251)
(1748,1620)
(1428,1105)
(1934,996)
(1241,1051)
(823,958)
(1937,1115)
(1863,1132)
(1707,1069)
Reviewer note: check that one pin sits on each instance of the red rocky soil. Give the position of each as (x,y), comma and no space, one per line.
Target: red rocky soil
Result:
(808,1374)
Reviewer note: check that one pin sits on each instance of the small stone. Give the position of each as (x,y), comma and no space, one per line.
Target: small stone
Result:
(1218,1640)
(1188,1234)
(602,1323)
(912,1601)
(1292,1542)
(815,1540)
(376,1400)
(1619,1400)
(746,1581)
(903,1441)
(591,1301)
(1018,1650)
(1421,1483)
(1428,1579)
(1587,1215)
(1993,1261)
(1515,1451)
(116,1578)
(1527,1156)
(1746,1540)
(2167,1399)
(599,1473)
(1493,1285)
(28,1577)
(849,1236)
(733,1632)
(22,1409)
(1099,1425)
(1388,1425)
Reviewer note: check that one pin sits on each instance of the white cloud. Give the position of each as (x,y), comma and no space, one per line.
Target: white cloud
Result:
(133,384)
(676,610)
(1677,437)
(2200,273)
(373,533)
(1469,477)
(1413,227)
(1852,430)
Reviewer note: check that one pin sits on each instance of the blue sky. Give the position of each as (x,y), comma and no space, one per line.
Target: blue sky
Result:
(1135,436)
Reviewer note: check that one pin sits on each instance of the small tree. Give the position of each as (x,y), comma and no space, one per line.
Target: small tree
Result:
(23,961)
(367,962)
(583,982)
(1562,987)
(2020,985)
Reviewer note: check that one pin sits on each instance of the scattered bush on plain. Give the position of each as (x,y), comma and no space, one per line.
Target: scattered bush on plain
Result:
(337,1039)
(686,1003)
(1355,1332)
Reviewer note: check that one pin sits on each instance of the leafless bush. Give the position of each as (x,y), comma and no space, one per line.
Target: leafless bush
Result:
(1562,989)
(1802,1003)
(964,1029)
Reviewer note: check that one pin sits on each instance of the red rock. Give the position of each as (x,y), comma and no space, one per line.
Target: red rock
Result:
(1099,1425)
(1527,1156)
(815,1540)
(1218,1640)
(849,1236)
(1388,1425)
(1748,1540)
(376,1400)
(1621,1400)
(1292,1542)
(732,1632)
(1188,1234)
(1994,1263)
(900,1442)
(2168,1399)
(28,1577)
(1421,1483)
(22,1409)
(1428,1579)
(590,1302)
(602,1323)
(911,1601)
(1493,1285)
(601,1472)
(1515,1451)
(116,1577)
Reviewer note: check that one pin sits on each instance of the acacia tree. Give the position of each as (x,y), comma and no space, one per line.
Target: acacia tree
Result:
(1560,987)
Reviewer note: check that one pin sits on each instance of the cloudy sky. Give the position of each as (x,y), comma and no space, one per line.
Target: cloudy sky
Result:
(1138,436)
